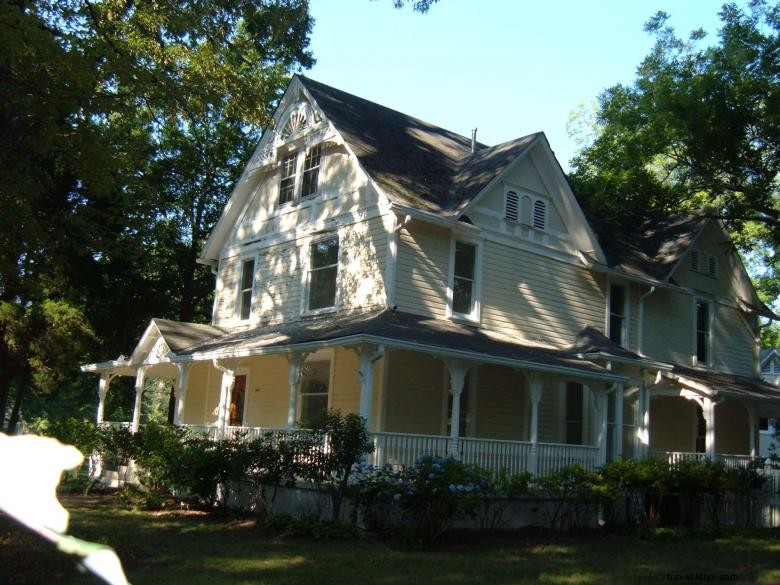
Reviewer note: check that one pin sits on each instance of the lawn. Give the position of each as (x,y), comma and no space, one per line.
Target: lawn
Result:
(198,548)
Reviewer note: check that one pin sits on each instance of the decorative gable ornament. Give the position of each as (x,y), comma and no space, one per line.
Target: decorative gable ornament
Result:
(160,352)
(300,119)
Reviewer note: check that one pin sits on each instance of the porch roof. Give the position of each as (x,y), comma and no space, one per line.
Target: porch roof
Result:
(397,330)
(728,384)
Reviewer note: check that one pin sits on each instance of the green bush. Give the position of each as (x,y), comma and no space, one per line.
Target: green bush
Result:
(572,496)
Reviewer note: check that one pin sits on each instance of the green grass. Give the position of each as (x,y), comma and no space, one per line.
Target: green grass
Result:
(196,548)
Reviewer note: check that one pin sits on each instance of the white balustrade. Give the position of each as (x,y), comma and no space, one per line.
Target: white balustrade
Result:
(495,455)
(398,449)
(555,456)
(729,461)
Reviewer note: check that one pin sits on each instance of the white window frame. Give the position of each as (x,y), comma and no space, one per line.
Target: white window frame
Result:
(240,289)
(624,327)
(320,356)
(708,340)
(299,153)
(476,311)
(306,284)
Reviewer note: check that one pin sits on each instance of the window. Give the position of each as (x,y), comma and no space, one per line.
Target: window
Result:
(617,313)
(315,384)
(464,280)
(701,431)
(245,292)
(323,272)
(287,184)
(763,424)
(512,206)
(574,419)
(311,172)
(298,184)
(702,332)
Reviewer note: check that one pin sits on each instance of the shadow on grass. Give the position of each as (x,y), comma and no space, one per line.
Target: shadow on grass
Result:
(196,548)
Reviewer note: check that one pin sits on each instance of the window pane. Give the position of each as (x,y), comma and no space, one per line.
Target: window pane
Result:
(325,253)
(462,296)
(246,303)
(287,184)
(313,406)
(247,272)
(322,288)
(311,171)
(465,256)
(574,422)
(245,298)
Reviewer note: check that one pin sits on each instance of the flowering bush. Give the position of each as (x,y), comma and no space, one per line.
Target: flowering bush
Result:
(428,497)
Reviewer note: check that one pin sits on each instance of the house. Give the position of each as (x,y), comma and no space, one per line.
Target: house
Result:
(769,364)
(456,296)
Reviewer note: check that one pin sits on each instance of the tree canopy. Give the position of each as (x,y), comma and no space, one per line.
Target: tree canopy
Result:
(698,128)
(124,125)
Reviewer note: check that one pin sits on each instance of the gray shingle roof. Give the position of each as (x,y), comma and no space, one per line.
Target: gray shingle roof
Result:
(414,162)
(180,335)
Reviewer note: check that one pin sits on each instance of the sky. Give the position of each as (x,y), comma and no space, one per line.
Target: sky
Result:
(505,67)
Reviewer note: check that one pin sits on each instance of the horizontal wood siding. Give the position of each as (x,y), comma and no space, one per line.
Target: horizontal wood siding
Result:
(672,424)
(732,428)
(415,394)
(550,413)
(501,404)
(669,333)
(345,394)
(538,298)
(268,394)
(279,278)
(197,392)
(732,342)
(421,276)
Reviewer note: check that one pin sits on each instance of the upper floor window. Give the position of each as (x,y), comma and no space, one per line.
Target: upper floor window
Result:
(617,314)
(295,182)
(289,167)
(323,273)
(464,284)
(702,332)
(245,290)
(311,172)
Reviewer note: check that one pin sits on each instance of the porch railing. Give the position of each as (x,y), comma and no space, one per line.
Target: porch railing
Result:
(398,449)
(495,455)
(730,461)
(555,456)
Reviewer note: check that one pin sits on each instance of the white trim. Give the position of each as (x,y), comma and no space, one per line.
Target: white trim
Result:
(322,355)
(709,340)
(236,373)
(243,259)
(306,273)
(474,317)
(625,330)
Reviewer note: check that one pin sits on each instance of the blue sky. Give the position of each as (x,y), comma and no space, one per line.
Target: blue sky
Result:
(508,68)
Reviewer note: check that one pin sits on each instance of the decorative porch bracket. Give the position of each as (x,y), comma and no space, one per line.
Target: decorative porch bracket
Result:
(103,385)
(228,369)
(180,390)
(140,378)
(535,393)
(295,370)
(458,369)
(368,356)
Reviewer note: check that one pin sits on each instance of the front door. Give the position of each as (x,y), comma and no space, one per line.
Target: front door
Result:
(237,401)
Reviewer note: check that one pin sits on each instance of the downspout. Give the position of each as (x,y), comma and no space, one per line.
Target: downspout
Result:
(641,332)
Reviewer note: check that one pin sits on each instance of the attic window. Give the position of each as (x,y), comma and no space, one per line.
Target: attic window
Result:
(512,206)
(540,214)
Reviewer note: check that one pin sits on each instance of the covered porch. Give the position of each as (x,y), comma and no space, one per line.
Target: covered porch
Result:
(423,386)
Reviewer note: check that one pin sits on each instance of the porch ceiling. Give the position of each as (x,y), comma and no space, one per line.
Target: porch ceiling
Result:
(397,330)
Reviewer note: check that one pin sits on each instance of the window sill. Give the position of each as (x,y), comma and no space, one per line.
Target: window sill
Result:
(317,312)
(465,319)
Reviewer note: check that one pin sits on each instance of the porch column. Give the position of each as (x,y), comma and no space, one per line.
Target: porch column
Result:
(644,420)
(140,377)
(180,391)
(369,354)
(535,392)
(601,398)
(228,370)
(105,382)
(753,426)
(295,369)
(708,410)
(458,370)
(618,440)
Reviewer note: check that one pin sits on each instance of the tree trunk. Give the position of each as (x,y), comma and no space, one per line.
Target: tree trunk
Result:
(17,409)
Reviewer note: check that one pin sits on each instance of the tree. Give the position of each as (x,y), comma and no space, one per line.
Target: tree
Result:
(699,127)
(124,125)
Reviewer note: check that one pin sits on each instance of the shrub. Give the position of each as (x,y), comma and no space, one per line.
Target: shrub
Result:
(572,496)
(157,451)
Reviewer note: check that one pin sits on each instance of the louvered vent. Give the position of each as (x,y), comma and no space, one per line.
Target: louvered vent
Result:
(540,211)
(712,266)
(695,263)
(512,206)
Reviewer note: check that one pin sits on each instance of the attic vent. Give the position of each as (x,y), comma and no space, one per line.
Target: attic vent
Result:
(695,261)
(712,266)
(540,213)
(512,206)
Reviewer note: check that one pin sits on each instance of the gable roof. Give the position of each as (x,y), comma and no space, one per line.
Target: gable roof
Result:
(655,248)
(414,162)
